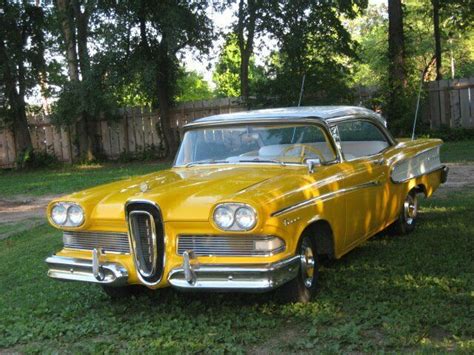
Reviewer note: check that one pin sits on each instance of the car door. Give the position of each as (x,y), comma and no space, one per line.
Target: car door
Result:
(362,144)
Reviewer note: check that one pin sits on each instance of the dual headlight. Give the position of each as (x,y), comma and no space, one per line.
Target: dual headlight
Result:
(235,217)
(66,214)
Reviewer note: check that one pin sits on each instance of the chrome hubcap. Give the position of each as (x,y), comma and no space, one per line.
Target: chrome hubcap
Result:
(307,262)
(410,208)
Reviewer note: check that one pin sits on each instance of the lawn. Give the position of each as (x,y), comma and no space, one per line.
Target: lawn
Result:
(410,293)
(458,152)
(66,178)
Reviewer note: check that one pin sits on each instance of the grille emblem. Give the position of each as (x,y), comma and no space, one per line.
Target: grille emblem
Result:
(144,187)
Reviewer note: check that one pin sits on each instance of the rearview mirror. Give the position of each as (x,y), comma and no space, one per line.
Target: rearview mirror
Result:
(312,164)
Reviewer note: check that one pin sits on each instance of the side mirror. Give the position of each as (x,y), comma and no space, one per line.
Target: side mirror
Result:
(312,164)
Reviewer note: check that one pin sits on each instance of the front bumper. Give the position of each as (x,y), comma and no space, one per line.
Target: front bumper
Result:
(190,276)
(73,269)
(244,277)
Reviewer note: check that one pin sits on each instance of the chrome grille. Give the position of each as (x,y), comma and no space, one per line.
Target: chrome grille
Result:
(109,242)
(223,245)
(142,226)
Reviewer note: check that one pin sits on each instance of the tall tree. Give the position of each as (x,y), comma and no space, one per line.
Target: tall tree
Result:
(74,18)
(159,33)
(21,60)
(437,38)
(396,54)
(247,15)
(312,43)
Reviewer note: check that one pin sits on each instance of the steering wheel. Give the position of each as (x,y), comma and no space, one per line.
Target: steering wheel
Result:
(304,147)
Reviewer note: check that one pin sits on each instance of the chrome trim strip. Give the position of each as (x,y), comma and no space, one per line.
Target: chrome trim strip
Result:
(73,269)
(140,277)
(325,197)
(234,277)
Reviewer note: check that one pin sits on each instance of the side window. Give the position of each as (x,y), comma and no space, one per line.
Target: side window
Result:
(361,138)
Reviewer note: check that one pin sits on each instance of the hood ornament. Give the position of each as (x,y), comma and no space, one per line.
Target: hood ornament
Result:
(144,187)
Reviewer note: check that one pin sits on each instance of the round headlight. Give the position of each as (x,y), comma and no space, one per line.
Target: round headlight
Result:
(223,217)
(59,214)
(76,215)
(245,218)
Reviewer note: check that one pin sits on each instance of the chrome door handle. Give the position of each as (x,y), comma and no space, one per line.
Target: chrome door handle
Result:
(379,161)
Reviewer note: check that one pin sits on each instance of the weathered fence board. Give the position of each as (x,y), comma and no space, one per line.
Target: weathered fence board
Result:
(451,103)
(138,130)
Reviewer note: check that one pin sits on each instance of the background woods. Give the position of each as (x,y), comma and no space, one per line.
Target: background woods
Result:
(86,64)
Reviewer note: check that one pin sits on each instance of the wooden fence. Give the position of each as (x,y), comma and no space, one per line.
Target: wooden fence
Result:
(451,103)
(137,130)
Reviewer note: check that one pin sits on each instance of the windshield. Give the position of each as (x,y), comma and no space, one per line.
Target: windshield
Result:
(279,144)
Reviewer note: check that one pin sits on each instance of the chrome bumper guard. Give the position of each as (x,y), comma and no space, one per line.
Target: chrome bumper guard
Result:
(73,269)
(241,277)
(444,174)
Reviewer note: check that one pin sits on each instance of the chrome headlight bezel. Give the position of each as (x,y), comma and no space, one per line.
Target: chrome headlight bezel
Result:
(70,208)
(233,207)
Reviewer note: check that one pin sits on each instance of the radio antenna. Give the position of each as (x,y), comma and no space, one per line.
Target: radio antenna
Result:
(301,91)
(417,106)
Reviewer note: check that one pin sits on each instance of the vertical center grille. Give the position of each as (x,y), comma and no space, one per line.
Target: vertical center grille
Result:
(146,235)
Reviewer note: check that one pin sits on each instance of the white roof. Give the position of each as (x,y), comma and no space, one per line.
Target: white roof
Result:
(319,112)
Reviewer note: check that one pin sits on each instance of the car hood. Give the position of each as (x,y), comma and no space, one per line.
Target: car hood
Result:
(184,194)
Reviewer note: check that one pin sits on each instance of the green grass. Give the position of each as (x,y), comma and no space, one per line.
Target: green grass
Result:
(394,293)
(458,152)
(69,178)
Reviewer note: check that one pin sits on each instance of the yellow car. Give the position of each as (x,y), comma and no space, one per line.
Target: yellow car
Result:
(252,202)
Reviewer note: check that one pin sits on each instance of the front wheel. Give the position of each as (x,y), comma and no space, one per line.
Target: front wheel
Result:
(303,287)
(407,220)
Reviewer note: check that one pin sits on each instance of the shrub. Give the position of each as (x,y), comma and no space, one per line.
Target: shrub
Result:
(34,159)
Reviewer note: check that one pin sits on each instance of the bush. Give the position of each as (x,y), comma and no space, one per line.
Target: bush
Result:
(449,134)
(33,159)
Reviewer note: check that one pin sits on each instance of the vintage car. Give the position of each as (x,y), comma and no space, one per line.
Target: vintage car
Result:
(253,201)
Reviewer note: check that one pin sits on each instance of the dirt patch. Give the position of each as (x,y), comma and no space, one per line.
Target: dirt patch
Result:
(461,176)
(21,213)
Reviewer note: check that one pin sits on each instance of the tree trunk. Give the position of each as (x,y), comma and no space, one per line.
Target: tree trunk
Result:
(164,99)
(244,75)
(396,55)
(70,10)
(69,38)
(437,38)
(247,19)
(17,104)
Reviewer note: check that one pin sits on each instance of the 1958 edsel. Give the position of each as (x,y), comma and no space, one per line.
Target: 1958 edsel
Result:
(252,202)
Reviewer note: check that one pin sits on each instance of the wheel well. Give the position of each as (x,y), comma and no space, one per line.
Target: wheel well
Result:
(321,231)
(421,189)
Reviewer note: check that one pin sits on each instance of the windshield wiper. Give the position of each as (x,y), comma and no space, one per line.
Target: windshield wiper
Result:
(205,161)
(258,160)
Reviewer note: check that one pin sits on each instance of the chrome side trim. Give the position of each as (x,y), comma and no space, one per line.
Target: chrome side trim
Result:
(403,159)
(234,277)
(325,197)
(442,168)
(73,269)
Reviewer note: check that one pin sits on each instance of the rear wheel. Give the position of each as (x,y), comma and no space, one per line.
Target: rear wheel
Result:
(407,220)
(303,287)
